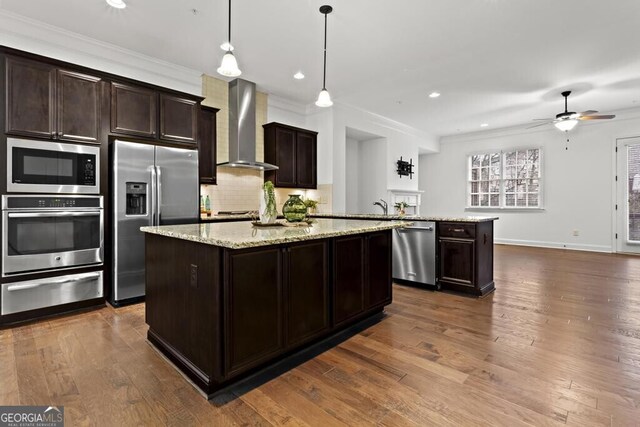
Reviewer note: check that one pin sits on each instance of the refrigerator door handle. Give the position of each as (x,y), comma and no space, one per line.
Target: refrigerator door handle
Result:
(152,199)
(159,190)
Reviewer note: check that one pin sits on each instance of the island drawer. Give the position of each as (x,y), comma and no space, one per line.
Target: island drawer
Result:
(457,229)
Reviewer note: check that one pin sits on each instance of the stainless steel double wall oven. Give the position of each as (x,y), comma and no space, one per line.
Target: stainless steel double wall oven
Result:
(52,225)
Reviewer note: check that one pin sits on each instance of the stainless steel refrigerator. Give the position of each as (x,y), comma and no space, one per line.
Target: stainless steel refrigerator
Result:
(152,185)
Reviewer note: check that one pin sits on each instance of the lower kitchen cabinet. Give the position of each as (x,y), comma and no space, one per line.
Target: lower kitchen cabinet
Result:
(362,274)
(276,299)
(253,308)
(465,257)
(307,291)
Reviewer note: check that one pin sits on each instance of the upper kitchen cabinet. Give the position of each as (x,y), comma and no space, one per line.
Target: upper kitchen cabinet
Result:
(46,102)
(133,110)
(145,112)
(207,145)
(294,151)
(178,118)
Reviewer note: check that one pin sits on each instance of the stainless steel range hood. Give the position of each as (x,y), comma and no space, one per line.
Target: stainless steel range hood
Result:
(242,127)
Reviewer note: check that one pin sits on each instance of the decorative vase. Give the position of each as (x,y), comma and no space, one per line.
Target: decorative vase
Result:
(265,217)
(294,209)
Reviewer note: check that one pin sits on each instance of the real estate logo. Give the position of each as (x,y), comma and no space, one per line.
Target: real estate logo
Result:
(31,416)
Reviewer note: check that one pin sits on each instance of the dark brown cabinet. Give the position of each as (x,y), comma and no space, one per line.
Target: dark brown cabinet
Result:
(178,118)
(254,312)
(207,143)
(46,102)
(276,299)
(362,274)
(294,151)
(145,112)
(307,291)
(465,256)
(133,110)
(349,278)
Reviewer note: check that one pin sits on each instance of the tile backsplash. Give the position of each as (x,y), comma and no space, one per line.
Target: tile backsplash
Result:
(239,190)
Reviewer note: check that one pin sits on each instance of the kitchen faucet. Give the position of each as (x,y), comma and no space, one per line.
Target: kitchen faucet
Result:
(382,204)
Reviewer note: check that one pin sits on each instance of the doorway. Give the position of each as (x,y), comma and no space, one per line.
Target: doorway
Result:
(628,195)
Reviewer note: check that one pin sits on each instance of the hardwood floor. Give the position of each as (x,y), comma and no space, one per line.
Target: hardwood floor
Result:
(558,342)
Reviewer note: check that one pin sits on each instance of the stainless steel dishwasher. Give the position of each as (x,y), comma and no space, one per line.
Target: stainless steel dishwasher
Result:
(414,253)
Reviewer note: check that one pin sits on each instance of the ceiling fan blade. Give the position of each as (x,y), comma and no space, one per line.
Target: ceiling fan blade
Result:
(540,124)
(600,117)
(588,113)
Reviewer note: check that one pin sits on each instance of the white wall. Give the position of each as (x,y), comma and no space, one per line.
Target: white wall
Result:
(401,138)
(352,175)
(32,36)
(284,111)
(578,183)
(372,181)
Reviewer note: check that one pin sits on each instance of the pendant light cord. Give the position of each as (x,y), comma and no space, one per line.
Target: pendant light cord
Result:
(229,25)
(324,76)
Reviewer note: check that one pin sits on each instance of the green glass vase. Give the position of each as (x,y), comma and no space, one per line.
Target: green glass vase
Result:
(294,209)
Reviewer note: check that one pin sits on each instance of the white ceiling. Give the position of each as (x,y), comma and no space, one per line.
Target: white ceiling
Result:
(501,62)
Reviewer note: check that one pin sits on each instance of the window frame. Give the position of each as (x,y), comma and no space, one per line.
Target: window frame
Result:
(502,194)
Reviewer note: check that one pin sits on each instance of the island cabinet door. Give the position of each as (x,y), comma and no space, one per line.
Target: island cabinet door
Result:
(253,308)
(349,278)
(307,292)
(378,266)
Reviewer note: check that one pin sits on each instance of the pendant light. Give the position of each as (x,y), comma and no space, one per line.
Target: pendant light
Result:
(324,99)
(229,66)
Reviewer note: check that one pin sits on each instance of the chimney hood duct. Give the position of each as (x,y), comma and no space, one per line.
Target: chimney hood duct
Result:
(242,127)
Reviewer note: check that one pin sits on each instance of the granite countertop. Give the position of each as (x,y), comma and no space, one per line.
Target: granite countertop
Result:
(239,235)
(406,217)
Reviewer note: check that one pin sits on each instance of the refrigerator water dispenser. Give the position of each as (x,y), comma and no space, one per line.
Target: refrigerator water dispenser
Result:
(136,198)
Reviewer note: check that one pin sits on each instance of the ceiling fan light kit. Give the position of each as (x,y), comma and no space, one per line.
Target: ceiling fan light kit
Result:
(324,98)
(229,65)
(567,120)
(566,125)
(118,4)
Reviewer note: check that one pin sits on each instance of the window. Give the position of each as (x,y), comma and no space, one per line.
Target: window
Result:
(505,179)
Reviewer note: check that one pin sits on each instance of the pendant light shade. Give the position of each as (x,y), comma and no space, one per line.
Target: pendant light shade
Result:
(229,65)
(566,125)
(324,99)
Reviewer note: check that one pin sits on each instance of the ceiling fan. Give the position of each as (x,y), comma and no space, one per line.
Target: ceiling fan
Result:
(567,120)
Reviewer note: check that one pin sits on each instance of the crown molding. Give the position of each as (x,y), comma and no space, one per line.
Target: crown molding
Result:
(34,36)
(287,104)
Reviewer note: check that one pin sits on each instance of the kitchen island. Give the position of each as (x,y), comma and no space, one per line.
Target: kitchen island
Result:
(224,300)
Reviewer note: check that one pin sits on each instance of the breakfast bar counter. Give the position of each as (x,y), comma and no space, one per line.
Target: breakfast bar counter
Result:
(225,300)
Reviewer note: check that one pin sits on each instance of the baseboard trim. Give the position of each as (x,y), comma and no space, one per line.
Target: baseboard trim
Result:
(555,245)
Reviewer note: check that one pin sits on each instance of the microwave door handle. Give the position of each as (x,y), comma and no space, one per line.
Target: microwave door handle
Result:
(152,200)
(159,190)
(50,214)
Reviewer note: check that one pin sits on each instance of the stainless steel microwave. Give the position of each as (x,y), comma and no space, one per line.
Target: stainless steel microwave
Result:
(52,167)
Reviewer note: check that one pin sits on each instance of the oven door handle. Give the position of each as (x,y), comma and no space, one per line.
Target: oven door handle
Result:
(56,282)
(50,214)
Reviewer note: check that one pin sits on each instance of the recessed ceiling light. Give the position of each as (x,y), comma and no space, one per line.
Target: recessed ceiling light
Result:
(484,125)
(226,46)
(118,4)
(299,75)
(434,94)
